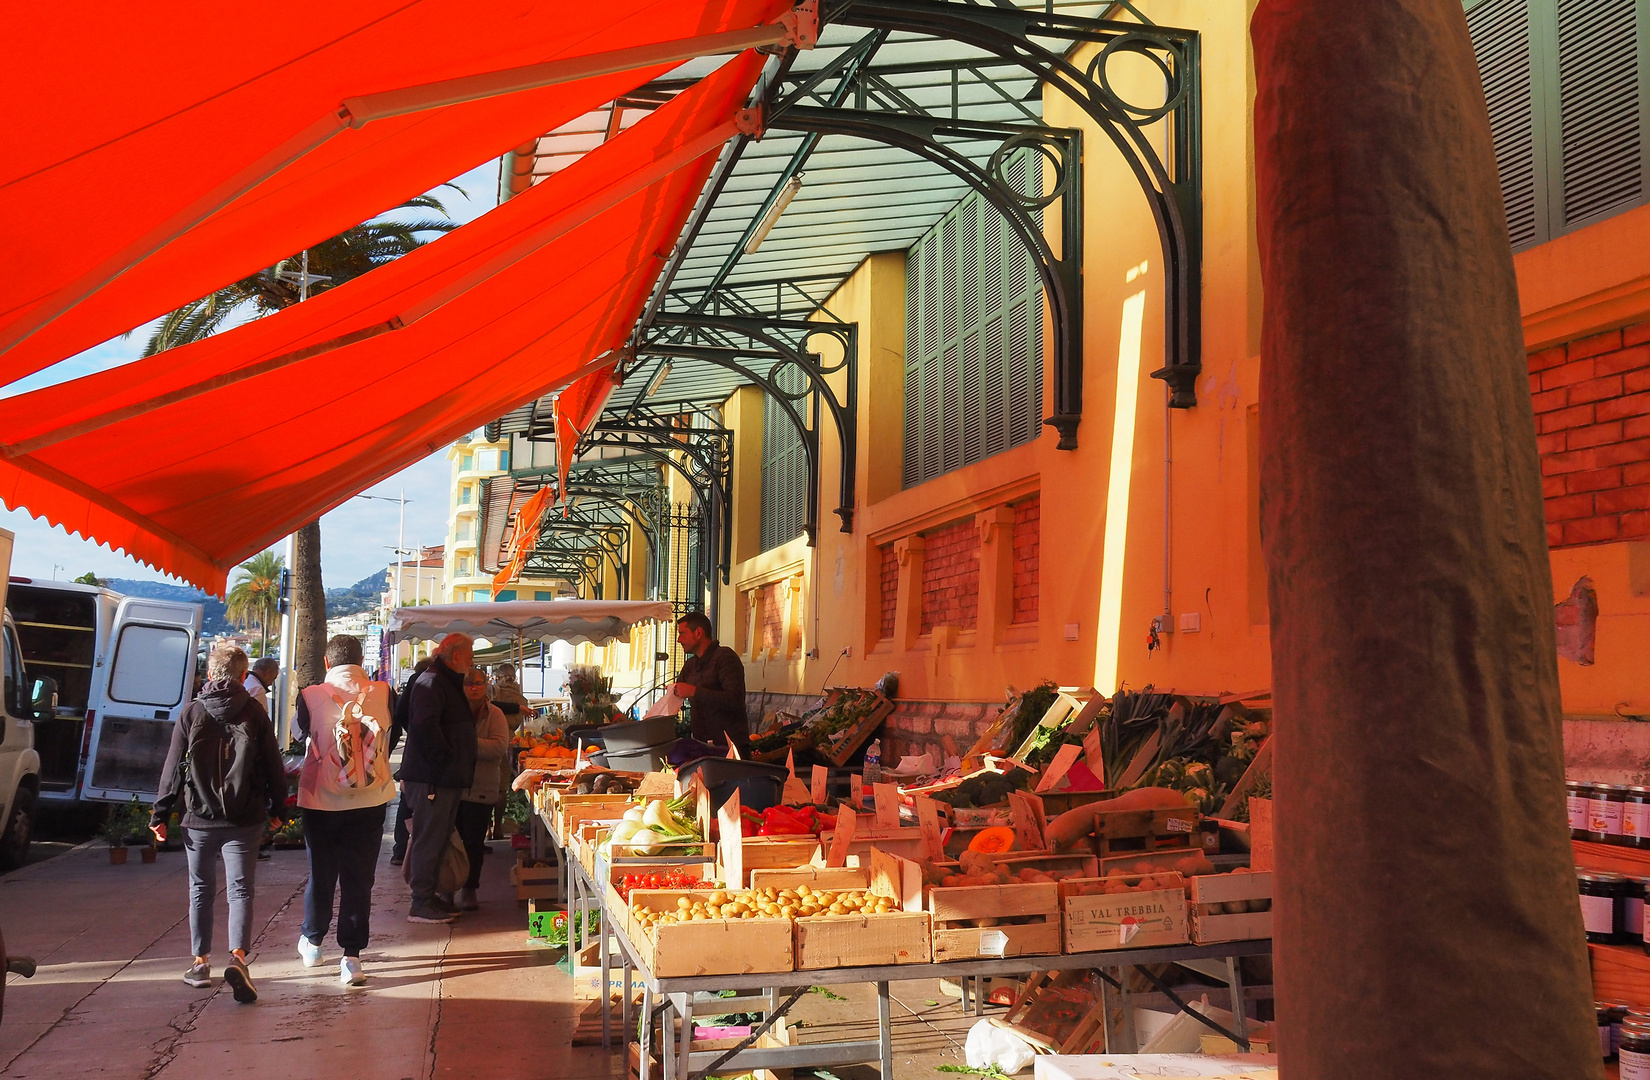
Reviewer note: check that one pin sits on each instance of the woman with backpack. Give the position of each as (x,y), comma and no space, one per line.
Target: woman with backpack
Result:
(226,769)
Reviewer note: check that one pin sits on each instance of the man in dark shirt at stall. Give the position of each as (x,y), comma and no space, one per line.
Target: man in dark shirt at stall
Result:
(714,680)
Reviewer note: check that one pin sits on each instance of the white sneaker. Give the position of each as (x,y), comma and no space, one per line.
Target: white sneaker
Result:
(350,973)
(309,953)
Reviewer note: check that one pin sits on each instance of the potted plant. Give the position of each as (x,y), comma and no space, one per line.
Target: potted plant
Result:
(115,828)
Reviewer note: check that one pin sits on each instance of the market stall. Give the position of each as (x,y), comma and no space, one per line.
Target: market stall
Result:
(1085,843)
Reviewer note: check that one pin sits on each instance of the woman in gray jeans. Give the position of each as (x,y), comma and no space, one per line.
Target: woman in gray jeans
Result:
(225,766)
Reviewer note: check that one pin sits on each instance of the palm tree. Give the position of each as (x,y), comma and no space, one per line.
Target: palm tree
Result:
(331,263)
(348,255)
(256,595)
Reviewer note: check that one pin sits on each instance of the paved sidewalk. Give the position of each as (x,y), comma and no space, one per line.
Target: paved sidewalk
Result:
(471,1000)
(468,1000)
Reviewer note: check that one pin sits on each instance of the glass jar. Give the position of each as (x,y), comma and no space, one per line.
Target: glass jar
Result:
(1635,817)
(1634,1050)
(1602,897)
(1606,1030)
(1632,908)
(1576,795)
(1604,804)
(1618,1016)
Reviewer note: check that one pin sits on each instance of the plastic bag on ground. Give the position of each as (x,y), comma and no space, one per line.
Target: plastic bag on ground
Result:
(990,1045)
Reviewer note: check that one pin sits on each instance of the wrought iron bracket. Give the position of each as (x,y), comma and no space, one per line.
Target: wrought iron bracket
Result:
(1062,275)
(720,340)
(1173,189)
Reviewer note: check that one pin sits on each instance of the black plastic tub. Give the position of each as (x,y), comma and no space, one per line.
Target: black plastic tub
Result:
(760,785)
(639,734)
(639,759)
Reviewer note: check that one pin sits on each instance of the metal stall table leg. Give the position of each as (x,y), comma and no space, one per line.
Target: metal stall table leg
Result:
(1240,1016)
(885,1033)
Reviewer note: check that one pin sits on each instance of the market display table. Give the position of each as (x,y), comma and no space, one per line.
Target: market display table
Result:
(775,992)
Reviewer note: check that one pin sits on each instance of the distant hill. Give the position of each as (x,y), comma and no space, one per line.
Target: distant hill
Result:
(362,596)
(213,620)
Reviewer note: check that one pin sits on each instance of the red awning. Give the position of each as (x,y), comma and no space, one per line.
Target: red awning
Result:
(198,457)
(577,408)
(154,155)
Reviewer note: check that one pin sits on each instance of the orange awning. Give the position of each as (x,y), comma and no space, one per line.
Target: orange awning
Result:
(154,155)
(525,538)
(198,457)
(577,408)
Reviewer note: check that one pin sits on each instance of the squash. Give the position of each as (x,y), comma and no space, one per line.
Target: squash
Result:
(993,840)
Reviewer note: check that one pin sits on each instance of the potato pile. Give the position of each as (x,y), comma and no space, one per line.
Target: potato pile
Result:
(768,903)
(979,868)
(1121,881)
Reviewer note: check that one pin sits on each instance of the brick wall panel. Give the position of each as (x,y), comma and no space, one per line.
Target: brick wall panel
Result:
(1027,558)
(951,576)
(888,599)
(1592,405)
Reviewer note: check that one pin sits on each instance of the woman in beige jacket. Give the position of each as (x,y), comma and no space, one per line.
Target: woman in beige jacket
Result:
(475,807)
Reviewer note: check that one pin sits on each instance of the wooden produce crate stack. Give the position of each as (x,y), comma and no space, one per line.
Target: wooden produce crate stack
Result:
(1231,891)
(1096,921)
(974,921)
(710,946)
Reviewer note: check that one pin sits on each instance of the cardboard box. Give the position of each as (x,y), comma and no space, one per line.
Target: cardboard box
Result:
(1210,928)
(952,908)
(710,947)
(1131,920)
(585,970)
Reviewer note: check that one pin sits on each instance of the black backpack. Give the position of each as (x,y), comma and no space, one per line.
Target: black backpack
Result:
(223,780)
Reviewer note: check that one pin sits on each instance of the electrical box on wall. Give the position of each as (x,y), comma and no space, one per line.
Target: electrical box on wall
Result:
(1191,622)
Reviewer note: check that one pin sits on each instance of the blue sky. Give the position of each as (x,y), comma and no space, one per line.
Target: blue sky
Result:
(356,539)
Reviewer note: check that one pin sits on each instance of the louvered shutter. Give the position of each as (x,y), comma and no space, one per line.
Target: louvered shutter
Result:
(784,465)
(1501,39)
(973,372)
(1598,80)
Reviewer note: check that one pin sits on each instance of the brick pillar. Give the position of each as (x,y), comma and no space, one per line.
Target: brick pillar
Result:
(908,609)
(1426,918)
(996,609)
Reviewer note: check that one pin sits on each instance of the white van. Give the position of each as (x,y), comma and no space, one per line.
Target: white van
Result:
(124,668)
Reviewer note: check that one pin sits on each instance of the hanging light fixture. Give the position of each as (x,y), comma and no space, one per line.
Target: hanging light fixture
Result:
(658,379)
(769,219)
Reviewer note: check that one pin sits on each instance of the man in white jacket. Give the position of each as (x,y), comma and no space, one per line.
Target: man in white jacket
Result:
(343,790)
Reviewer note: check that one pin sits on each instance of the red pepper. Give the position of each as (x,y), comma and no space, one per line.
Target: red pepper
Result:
(778,828)
(781,814)
(750,826)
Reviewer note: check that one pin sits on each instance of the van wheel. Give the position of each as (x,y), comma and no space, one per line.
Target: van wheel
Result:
(14,843)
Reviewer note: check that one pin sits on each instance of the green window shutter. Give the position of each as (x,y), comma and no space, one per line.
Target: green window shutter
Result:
(1599,111)
(974,312)
(784,464)
(1500,32)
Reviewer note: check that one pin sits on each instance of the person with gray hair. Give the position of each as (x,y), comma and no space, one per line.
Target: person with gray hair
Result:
(261,679)
(437,767)
(224,766)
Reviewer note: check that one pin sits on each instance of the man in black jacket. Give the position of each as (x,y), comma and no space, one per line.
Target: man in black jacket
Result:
(233,786)
(714,680)
(437,766)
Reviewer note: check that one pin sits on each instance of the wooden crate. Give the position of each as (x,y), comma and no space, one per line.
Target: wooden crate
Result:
(711,947)
(842,747)
(815,877)
(776,853)
(569,810)
(1048,862)
(1212,929)
(832,941)
(1118,832)
(1060,1012)
(1132,920)
(951,908)
(534,882)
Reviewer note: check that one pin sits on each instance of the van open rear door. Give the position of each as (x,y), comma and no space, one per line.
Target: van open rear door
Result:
(150,678)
